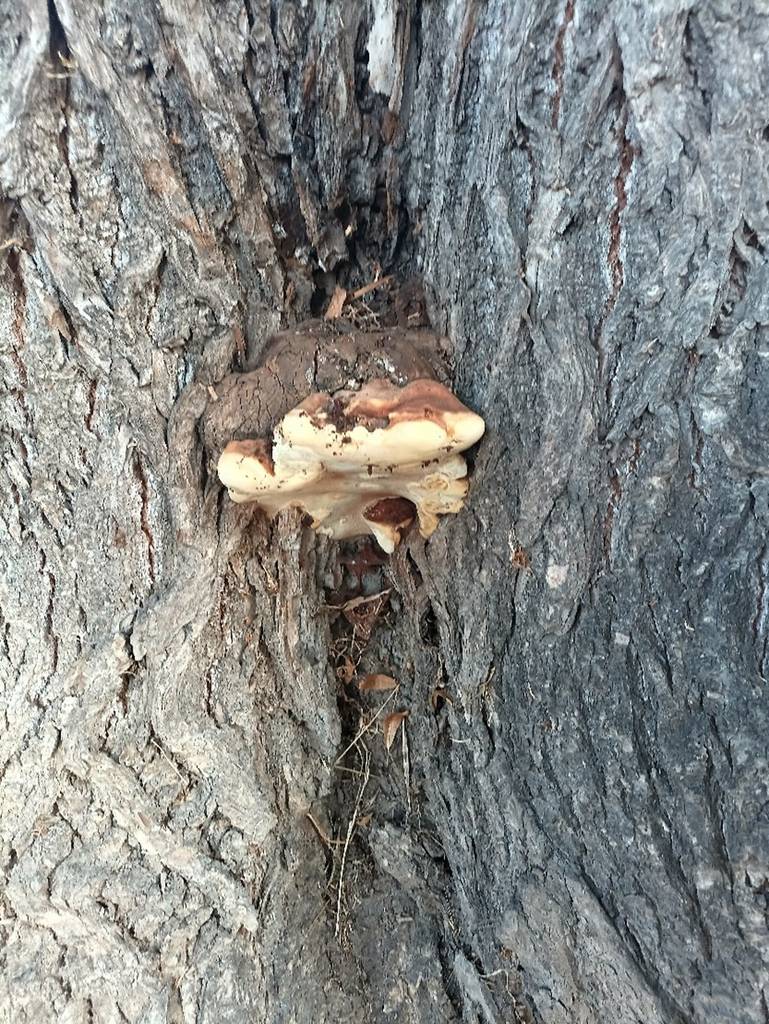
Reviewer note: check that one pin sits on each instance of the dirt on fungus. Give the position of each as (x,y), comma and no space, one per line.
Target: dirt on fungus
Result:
(316,356)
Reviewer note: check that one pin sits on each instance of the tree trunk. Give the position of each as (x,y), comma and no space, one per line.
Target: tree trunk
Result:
(573,824)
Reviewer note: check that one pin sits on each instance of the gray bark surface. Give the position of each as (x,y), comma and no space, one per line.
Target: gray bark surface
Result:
(579,831)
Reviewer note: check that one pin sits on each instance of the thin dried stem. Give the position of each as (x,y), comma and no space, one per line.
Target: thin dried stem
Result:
(367,726)
(406,764)
(322,834)
(355,602)
(371,287)
(348,838)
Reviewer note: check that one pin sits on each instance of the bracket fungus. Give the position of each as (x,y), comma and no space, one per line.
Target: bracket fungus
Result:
(356,428)
(358,462)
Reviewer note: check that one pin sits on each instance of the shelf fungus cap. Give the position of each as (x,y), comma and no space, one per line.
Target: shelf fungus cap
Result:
(367,461)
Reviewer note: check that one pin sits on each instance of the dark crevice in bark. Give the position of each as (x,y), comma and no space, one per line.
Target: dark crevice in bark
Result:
(559,62)
(19,309)
(58,47)
(608,360)
(88,419)
(699,59)
(62,69)
(144,494)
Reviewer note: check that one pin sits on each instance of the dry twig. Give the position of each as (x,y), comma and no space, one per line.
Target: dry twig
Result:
(355,602)
(371,287)
(348,838)
(406,767)
(367,726)
(336,304)
(322,834)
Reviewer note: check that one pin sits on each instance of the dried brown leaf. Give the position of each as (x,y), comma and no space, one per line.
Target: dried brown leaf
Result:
(376,682)
(346,671)
(390,726)
(336,304)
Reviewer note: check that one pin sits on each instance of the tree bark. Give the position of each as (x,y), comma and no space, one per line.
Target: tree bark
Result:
(572,825)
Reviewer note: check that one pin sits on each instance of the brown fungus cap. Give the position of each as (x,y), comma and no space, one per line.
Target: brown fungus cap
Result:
(367,461)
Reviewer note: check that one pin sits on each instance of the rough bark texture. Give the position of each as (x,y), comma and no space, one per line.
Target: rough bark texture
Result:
(578,829)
